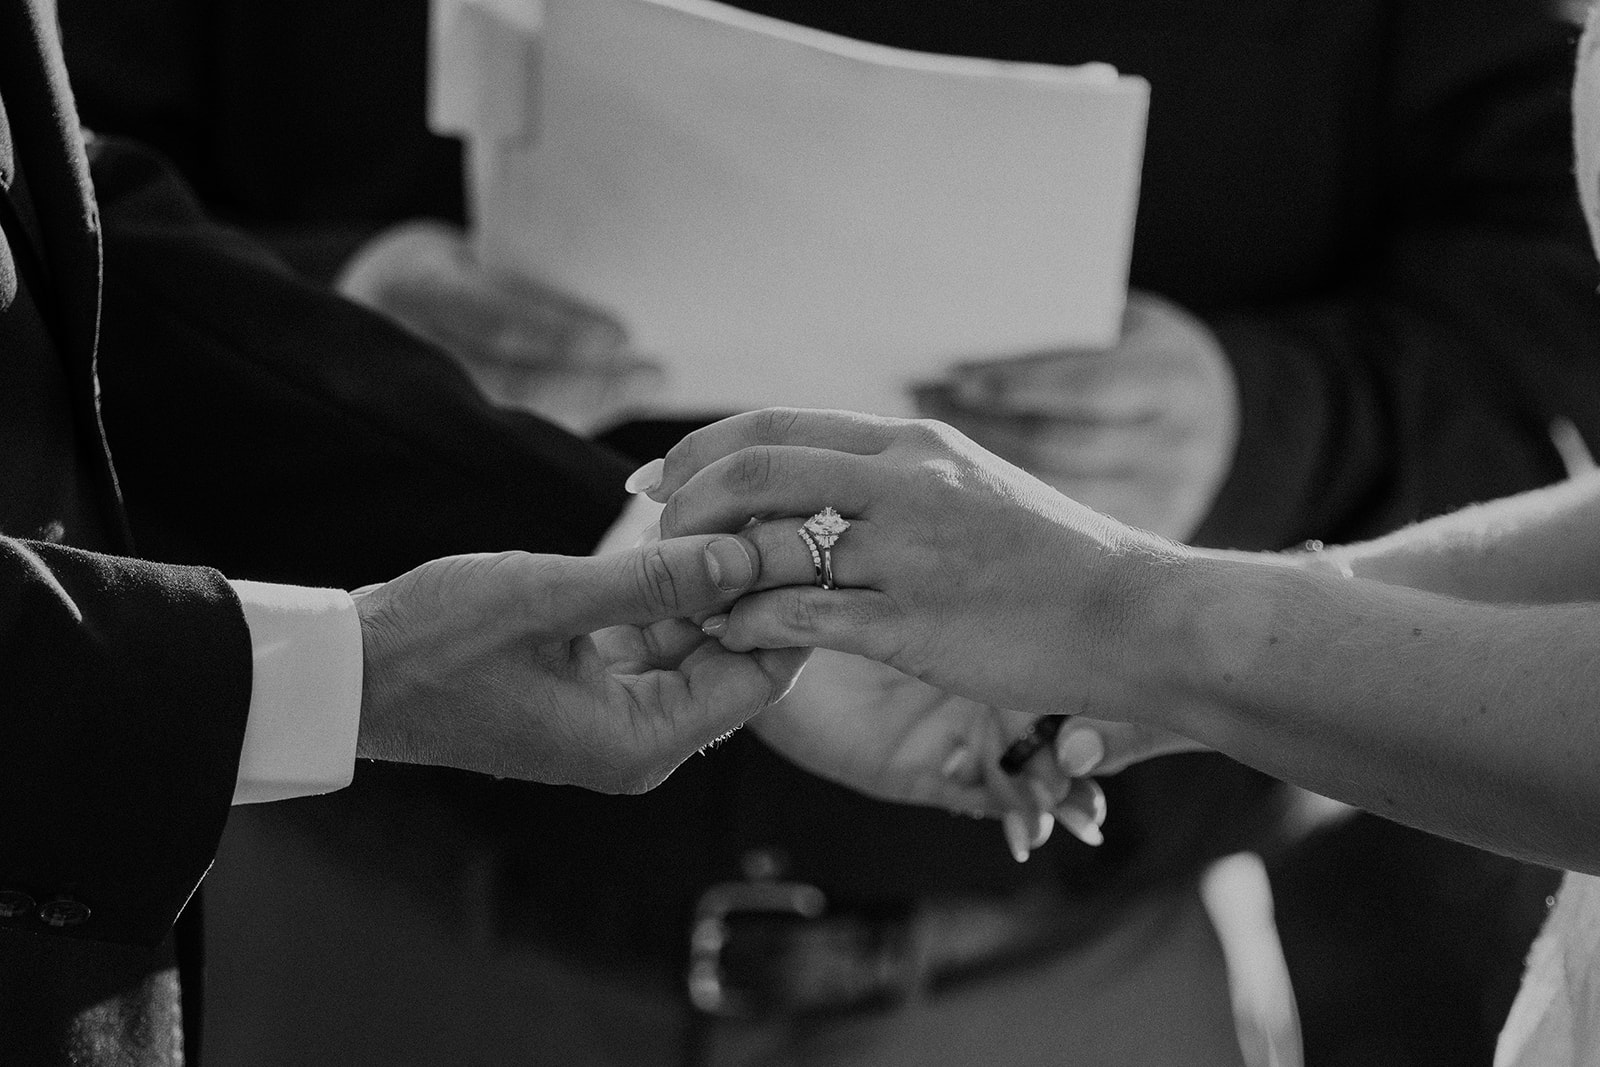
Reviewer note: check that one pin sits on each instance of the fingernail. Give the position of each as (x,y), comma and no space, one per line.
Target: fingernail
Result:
(957,765)
(1015,825)
(1043,823)
(715,626)
(729,564)
(1080,826)
(646,478)
(1079,752)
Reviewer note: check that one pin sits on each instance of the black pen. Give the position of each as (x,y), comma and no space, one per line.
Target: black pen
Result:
(1042,733)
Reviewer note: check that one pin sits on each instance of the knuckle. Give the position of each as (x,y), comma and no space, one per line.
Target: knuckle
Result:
(802,614)
(656,581)
(813,612)
(776,424)
(752,469)
(929,435)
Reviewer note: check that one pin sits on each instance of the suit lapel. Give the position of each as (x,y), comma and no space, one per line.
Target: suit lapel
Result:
(43,135)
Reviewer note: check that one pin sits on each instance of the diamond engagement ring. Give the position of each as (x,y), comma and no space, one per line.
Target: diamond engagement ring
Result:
(820,533)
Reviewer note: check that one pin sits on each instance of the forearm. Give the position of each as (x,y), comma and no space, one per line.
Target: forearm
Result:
(1473,721)
(1541,546)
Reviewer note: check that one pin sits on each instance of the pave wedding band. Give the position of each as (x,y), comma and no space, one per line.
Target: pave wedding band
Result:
(820,533)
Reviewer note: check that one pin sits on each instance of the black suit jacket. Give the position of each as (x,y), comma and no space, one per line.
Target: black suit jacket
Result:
(247,409)
(1371,202)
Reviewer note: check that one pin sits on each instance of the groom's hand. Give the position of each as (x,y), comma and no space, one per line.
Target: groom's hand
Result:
(565,670)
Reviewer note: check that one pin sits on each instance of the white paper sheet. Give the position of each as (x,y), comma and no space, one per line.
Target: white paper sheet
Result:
(785,216)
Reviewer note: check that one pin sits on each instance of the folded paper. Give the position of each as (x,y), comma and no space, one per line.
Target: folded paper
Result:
(785,216)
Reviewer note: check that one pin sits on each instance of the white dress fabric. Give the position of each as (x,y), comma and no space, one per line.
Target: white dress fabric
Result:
(1555,1021)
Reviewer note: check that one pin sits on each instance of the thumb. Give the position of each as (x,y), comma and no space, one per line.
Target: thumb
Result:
(670,579)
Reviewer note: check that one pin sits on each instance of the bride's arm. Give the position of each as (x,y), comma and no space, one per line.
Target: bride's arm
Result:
(1536,547)
(1474,720)
(1471,718)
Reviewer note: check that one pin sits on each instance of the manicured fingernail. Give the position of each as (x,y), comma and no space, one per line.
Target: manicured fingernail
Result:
(1079,752)
(646,478)
(957,765)
(715,626)
(1017,831)
(1043,823)
(729,564)
(1080,825)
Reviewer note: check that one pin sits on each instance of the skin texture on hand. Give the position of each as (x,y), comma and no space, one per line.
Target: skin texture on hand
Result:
(524,344)
(562,670)
(1473,719)
(867,726)
(956,567)
(966,571)
(1144,432)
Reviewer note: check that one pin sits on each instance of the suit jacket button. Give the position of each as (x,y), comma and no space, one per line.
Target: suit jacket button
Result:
(63,911)
(14,902)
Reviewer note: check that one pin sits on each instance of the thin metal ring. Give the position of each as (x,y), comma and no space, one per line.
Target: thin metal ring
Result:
(820,533)
(816,555)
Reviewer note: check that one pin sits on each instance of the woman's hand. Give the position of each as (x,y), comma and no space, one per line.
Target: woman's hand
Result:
(871,728)
(958,569)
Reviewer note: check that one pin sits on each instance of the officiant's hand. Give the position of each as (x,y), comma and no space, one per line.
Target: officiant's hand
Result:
(869,727)
(563,670)
(1144,431)
(523,343)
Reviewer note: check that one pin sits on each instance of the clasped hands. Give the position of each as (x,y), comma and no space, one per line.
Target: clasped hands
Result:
(1145,431)
(564,670)
(985,597)
(990,597)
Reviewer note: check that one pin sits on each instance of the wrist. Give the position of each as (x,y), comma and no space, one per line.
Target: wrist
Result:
(1150,587)
(1233,620)
(374,738)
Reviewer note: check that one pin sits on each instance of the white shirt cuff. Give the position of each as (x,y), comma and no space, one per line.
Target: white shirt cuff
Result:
(305,693)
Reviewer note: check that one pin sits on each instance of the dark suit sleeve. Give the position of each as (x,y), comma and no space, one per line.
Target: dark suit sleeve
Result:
(124,688)
(1427,378)
(277,432)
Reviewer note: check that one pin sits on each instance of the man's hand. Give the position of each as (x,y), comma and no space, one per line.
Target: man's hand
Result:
(524,344)
(562,670)
(1144,432)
